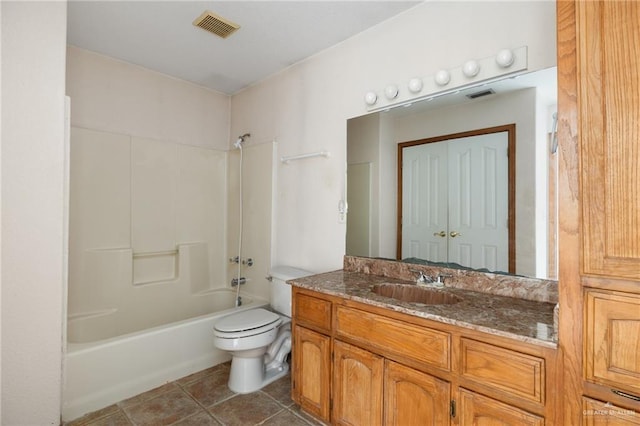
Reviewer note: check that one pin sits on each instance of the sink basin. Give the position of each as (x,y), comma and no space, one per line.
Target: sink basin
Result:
(415,294)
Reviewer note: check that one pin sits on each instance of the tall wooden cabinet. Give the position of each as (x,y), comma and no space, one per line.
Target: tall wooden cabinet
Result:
(599,134)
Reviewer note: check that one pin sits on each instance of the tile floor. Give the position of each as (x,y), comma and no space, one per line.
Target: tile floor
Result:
(203,399)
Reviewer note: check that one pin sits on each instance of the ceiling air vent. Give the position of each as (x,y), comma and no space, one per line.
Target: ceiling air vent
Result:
(215,24)
(480,94)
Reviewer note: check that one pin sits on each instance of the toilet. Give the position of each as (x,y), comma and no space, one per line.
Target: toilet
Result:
(259,340)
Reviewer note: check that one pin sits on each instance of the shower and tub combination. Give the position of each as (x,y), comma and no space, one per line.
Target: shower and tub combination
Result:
(148,259)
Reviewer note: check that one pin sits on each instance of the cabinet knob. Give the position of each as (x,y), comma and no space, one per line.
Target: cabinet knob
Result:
(440,234)
(454,234)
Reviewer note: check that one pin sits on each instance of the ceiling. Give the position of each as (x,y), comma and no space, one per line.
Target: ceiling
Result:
(159,35)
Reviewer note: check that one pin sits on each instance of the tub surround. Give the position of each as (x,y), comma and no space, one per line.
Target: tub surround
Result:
(492,307)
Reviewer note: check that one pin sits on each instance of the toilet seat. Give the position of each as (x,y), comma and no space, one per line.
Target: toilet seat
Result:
(246,324)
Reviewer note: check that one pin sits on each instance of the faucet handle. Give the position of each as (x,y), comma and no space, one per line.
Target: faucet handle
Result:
(441,277)
(422,278)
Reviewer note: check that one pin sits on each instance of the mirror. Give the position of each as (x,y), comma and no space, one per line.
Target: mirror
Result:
(528,101)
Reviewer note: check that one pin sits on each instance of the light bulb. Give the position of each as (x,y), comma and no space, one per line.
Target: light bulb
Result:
(391,91)
(442,78)
(415,85)
(370,98)
(471,68)
(505,58)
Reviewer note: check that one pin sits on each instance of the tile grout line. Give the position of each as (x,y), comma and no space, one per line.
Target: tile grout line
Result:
(206,410)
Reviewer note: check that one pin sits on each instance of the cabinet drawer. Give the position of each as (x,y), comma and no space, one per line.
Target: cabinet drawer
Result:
(597,413)
(312,311)
(476,409)
(612,321)
(390,337)
(503,369)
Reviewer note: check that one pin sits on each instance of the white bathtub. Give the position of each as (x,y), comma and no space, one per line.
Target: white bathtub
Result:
(102,372)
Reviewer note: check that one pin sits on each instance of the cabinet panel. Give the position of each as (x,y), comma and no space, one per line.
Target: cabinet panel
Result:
(393,337)
(312,371)
(414,398)
(612,345)
(357,386)
(478,410)
(513,372)
(597,413)
(312,311)
(609,83)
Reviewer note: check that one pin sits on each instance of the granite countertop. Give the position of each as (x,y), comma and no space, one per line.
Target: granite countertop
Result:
(524,320)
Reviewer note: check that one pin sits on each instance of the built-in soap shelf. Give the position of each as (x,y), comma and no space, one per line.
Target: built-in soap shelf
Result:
(156,266)
(118,268)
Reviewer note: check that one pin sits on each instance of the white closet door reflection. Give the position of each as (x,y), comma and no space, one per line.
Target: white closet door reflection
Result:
(424,202)
(455,201)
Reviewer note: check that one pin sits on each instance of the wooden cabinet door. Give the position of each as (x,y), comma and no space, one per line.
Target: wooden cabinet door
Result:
(609,128)
(612,346)
(477,410)
(311,365)
(414,398)
(597,413)
(357,386)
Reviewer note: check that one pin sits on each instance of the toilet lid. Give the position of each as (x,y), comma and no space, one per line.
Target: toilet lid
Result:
(247,320)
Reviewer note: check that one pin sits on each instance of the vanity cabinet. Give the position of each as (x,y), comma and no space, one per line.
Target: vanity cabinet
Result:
(357,386)
(412,397)
(311,352)
(393,368)
(311,375)
(475,409)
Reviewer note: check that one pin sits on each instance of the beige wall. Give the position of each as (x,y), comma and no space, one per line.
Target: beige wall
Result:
(305,107)
(33,159)
(118,97)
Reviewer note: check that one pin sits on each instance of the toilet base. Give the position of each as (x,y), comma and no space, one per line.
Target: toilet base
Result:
(249,375)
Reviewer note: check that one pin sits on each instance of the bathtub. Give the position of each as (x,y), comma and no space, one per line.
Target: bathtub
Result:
(102,371)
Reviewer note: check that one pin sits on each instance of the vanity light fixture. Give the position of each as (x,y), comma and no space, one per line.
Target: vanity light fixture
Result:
(471,68)
(391,91)
(507,62)
(505,58)
(370,98)
(415,85)
(442,78)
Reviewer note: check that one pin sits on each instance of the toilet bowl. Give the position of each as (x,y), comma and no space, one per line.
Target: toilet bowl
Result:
(259,340)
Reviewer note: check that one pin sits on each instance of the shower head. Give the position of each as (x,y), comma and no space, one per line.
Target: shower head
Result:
(240,140)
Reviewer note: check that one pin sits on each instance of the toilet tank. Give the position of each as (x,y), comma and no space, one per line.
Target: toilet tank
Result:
(280,293)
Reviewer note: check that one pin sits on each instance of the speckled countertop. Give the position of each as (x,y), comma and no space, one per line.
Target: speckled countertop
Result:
(520,319)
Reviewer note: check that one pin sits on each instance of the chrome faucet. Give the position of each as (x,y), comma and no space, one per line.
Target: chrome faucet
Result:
(422,278)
